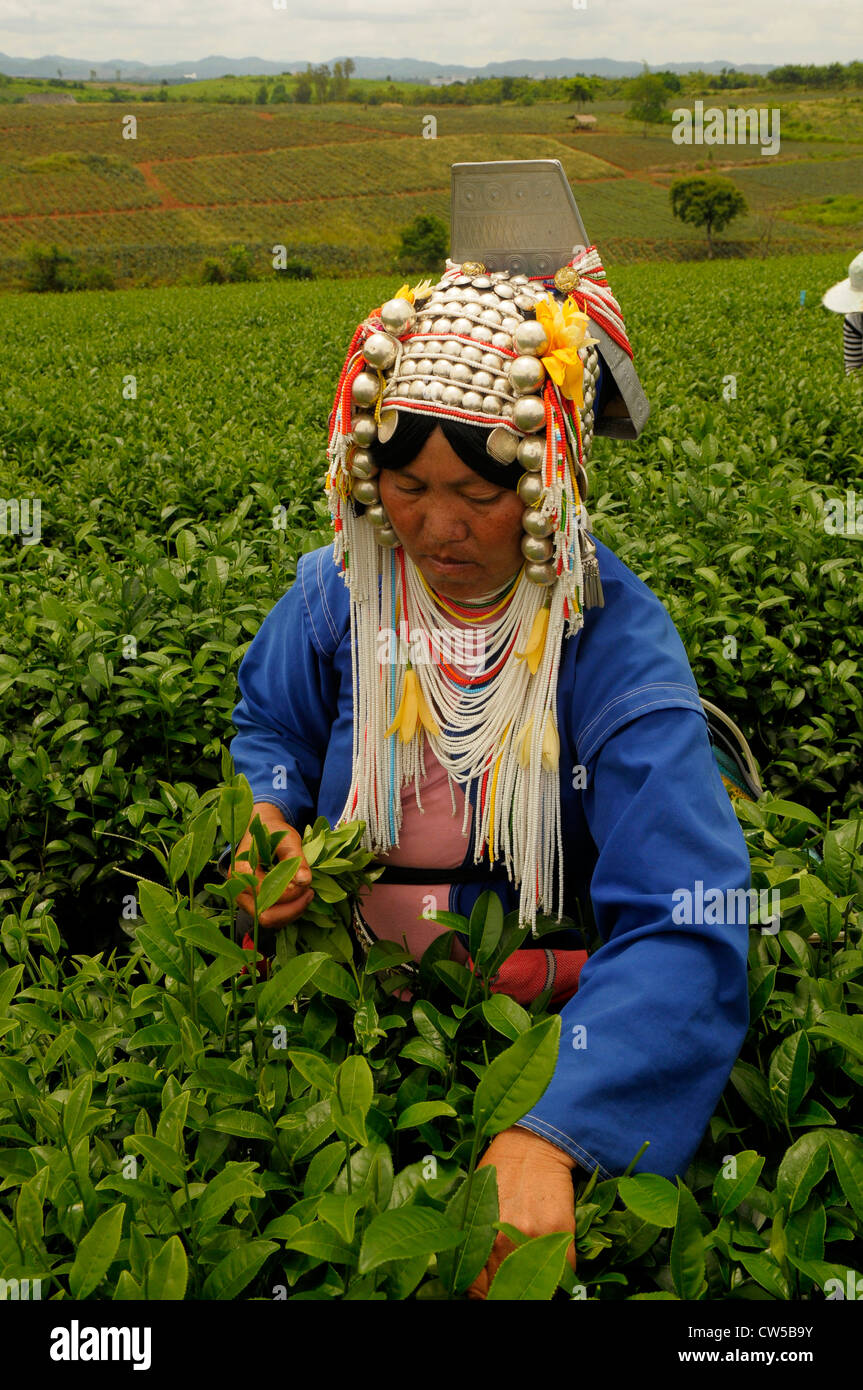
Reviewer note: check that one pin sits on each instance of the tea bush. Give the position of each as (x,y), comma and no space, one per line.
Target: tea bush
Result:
(176,1126)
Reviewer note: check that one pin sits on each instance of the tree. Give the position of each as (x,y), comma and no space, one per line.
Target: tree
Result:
(648,95)
(350,68)
(423,244)
(710,203)
(279,93)
(579,90)
(303,91)
(49,270)
(320,77)
(261,95)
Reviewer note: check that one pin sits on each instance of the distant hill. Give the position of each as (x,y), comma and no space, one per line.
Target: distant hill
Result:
(400,69)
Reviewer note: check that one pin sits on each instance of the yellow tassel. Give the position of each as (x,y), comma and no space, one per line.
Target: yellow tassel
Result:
(406,714)
(523,745)
(533,652)
(424,713)
(550,745)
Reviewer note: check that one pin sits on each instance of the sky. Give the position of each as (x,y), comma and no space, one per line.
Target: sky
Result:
(467,31)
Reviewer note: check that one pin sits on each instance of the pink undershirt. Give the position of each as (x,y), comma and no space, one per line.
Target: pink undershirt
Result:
(429,839)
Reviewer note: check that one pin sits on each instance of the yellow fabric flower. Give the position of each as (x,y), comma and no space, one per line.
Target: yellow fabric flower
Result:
(532,653)
(566,329)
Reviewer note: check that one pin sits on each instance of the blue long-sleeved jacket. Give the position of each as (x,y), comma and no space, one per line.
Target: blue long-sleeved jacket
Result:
(648,1042)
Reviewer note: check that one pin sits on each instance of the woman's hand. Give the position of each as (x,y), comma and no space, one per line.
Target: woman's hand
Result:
(534,1186)
(298,894)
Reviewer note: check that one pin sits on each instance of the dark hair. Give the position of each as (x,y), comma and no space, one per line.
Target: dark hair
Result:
(468,441)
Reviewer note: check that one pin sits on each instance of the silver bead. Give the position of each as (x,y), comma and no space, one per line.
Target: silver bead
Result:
(365,490)
(450,349)
(490,405)
(490,361)
(418,390)
(425,366)
(501,340)
(531,453)
(365,389)
(529,413)
(442,326)
(397,316)
(408,367)
(525,302)
(471,354)
(526,374)
(452,395)
(430,348)
(530,338)
(443,367)
(379,350)
(363,463)
(504,290)
(539,574)
(518,279)
(506,410)
(483,380)
(530,490)
(377,516)
(535,524)
(537,548)
(471,296)
(491,317)
(453,295)
(481,282)
(461,280)
(481,333)
(364,430)
(461,372)
(425,326)
(501,386)
(490,300)
(472,400)
(462,327)
(386,536)
(434,391)
(364,470)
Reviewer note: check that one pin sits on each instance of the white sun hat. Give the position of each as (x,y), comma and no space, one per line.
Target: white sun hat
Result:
(847,296)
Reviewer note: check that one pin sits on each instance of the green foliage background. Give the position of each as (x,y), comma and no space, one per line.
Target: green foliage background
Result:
(172,516)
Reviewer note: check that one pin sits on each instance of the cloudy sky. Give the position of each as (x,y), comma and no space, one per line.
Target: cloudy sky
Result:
(467,31)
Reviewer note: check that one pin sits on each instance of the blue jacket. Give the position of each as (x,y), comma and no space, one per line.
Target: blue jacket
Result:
(649,1040)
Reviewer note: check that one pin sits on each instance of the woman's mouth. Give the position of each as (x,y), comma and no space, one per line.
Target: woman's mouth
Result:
(448,565)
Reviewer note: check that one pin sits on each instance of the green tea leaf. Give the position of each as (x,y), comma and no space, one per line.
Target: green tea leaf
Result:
(458,1268)
(238,1268)
(286,984)
(803,1165)
(422,1112)
(687,1248)
(517,1078)
(650,1197)
(533,1271)
(96,1252)
(168,1272)
(404,1233)
(731,1191)
(788,1073)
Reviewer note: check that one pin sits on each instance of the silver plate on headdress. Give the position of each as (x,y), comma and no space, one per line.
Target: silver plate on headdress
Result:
(501,207)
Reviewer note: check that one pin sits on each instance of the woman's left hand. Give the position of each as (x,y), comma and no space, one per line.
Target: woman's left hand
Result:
(534,1185)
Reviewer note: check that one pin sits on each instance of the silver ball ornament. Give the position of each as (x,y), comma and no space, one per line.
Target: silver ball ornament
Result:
(397,316)
(539,574)
(526,374)
(537,549)
(366,491)
(530,338)
(535,524)
(531,453)
(379,350)
(530,489)
(365,390)
(529,414)
(377,516)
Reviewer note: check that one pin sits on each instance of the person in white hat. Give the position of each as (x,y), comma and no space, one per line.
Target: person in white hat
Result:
(846,298)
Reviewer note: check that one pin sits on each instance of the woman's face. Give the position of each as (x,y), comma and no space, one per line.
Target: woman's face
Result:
(462,533)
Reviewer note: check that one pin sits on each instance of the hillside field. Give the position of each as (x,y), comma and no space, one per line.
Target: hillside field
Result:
(335,182)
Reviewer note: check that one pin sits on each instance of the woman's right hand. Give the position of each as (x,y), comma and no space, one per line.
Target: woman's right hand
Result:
(298,894)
